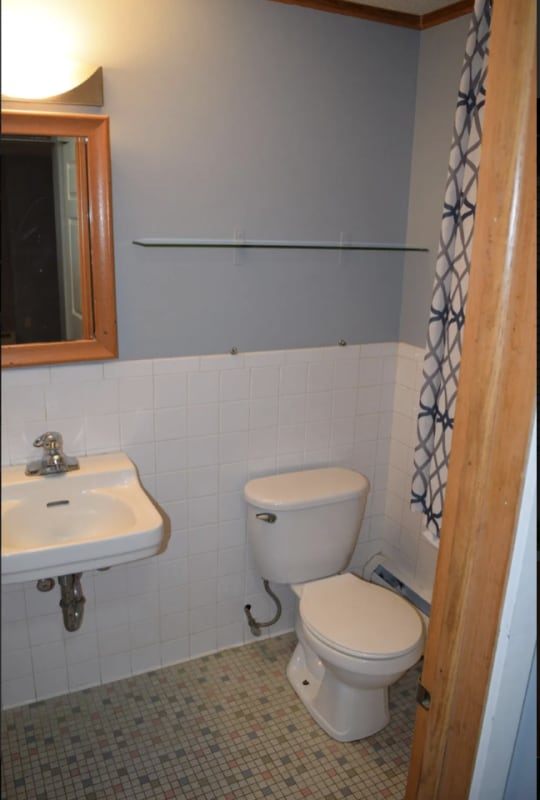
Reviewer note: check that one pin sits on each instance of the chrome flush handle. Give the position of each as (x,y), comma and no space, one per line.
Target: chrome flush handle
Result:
(266,517)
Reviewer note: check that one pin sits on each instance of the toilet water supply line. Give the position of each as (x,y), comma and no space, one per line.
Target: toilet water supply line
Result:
(254,626)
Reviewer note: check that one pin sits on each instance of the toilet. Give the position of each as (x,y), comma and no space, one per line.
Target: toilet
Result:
(355,638)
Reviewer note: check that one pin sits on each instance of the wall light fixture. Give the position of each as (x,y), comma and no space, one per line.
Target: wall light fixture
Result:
(84,87)
(36,61)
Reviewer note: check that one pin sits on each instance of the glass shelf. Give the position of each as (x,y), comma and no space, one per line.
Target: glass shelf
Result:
(276,245)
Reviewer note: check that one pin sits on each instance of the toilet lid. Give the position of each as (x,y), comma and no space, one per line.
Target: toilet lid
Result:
(359,618)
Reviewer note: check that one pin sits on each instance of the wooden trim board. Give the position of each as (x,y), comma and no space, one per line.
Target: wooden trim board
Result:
(446,14)
(385,15)
(493,422)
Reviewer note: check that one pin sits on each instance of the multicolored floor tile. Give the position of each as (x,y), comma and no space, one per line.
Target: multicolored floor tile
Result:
(223,727)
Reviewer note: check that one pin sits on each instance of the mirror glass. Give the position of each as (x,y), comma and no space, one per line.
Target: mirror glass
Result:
(44,201)
(58,298)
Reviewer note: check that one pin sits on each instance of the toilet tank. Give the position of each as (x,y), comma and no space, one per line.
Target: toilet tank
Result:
(304,525)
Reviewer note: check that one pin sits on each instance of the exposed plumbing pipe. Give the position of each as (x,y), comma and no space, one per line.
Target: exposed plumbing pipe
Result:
(72,601)
(254,626)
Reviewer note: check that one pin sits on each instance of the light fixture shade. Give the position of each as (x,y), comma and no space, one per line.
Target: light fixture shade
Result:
(69,83)
(39,57)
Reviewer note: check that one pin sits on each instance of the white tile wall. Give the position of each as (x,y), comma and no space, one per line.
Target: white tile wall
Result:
(197,429)
(403,540)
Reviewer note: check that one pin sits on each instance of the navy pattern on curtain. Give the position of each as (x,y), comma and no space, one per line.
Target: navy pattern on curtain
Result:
(447,314)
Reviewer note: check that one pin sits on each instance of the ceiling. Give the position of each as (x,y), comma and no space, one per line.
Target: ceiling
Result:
(407,6)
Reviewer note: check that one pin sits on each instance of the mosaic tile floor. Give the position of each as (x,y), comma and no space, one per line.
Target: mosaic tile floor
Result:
(224,726)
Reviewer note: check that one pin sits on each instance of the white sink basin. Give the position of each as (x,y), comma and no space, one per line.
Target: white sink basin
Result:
(93,517)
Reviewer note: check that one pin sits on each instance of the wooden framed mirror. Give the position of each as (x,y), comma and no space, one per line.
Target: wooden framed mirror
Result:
(58,286)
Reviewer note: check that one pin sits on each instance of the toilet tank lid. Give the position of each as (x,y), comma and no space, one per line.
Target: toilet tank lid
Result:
(306,488)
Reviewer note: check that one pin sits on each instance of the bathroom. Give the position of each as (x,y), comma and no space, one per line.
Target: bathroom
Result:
(224,119)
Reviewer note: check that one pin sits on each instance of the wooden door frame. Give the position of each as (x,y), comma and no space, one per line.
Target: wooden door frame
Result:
(493,422)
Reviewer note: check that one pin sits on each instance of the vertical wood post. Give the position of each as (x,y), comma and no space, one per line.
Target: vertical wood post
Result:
(493,418)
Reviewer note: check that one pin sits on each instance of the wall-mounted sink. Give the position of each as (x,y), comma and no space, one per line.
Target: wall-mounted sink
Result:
(95,517)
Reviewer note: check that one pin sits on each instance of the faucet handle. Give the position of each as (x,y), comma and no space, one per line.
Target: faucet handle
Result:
(53,461)
(51,440)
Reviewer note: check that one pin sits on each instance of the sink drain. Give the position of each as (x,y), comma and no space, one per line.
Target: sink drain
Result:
(45,584)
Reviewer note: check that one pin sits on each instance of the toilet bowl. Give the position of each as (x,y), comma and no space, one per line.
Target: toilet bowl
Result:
(345,659)
(354,638)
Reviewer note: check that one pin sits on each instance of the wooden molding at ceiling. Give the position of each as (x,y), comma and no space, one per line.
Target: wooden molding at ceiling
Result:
(357,10)
(446,14)
(375,14)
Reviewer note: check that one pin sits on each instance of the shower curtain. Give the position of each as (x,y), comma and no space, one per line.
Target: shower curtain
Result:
(447,313)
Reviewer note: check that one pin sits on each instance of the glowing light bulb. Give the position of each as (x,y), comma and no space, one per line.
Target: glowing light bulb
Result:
(35,60)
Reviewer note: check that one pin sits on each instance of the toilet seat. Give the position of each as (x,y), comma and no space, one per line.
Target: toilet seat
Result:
(358,618)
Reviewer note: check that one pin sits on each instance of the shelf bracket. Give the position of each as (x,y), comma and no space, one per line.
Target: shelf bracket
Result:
(343,238)
(238,237)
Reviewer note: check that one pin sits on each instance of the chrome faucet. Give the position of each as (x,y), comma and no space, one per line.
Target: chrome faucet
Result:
(53,461)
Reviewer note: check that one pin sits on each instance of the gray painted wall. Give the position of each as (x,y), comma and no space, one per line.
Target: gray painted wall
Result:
(439,68)
(280,121)
(283,123)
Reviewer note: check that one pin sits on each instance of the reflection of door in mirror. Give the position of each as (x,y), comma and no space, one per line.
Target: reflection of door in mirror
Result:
(44,195)
(71,212)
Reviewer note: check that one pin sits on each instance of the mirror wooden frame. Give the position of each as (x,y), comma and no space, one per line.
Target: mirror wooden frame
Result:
(97,279)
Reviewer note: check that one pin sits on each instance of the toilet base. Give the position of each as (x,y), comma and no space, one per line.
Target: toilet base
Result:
(345,712)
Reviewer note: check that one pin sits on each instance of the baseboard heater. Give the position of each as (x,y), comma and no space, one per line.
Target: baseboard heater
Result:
(387,578)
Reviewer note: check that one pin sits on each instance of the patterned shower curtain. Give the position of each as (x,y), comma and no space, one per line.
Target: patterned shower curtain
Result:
(447,315)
